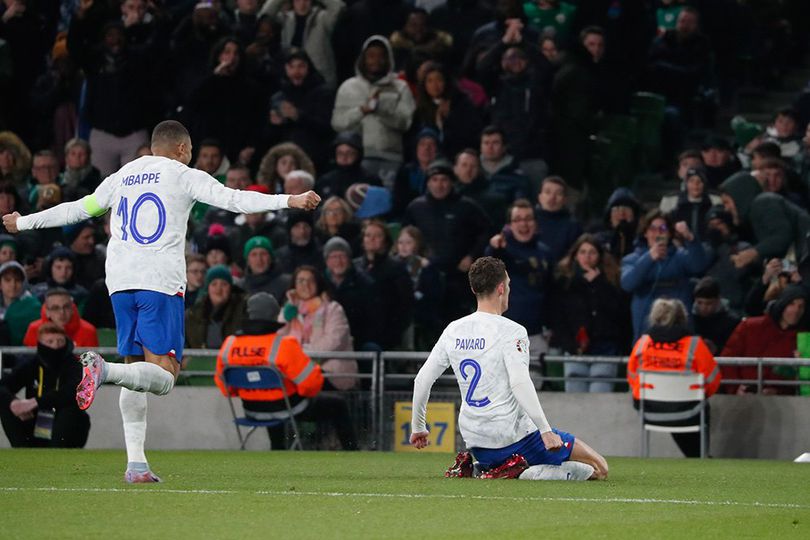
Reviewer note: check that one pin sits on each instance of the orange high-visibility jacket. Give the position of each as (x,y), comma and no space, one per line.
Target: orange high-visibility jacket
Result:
(302,375)
(689,353)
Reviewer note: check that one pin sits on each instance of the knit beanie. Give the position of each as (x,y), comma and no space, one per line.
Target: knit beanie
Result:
(219,271)
(336,243)
(257,242)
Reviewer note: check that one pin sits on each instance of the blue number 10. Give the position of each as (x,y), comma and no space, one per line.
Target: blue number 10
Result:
(476,376)
(126,219)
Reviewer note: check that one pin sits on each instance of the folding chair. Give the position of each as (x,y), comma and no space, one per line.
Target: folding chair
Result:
(259,378)
(671,387)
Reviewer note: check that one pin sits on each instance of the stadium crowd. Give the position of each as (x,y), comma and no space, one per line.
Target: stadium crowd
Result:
(436,131)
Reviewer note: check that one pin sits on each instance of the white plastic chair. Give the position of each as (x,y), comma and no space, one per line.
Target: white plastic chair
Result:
(671,387)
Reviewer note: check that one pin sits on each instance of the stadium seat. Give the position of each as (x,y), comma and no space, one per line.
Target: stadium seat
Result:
(259,378)
(670,387)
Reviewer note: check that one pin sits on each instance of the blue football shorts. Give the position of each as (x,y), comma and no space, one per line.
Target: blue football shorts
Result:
(149,319)
(530,447)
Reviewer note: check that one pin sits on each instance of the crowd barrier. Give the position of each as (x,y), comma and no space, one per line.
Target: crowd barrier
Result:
(386,378)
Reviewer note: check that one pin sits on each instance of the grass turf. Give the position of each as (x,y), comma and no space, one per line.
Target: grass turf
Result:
(81,494)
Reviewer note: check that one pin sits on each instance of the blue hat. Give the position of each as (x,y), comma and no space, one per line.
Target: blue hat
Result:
(376,203)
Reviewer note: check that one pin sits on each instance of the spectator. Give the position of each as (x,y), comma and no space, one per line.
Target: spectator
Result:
(473,184)
(303,378)
(441,106)
(713,322)
(237,177)
(722,245)
(89,265)
(348,153)
(391,279)
(44,172)
(9,202)
(337,219)
(693,203)
(15,159)
(501,168)
(776,276)
(356,292)
(301,111)
(309,27)
(19,307)
(550,17)
(280,160)
(621,219)
(680,61)
(211,158)
(379,106)
(218,313)
(245,20)
(784,132)
(667,347)
(456,230)
(320,324)
(59,308)
(412,177)
(772,335)
(592,314)
(217,249)
(775,177)
(59,271)
(508,27)
(530,267)
(557,228)
(776,224)
(298,182)
(8,248)
(417,39)
(427,288)
(266,224)
(236,125)
(195,278)
(121,88)
(659,269)
(718,161)
(264,271)
(263,62)
(80,177)
(303,247)
(460,19)
(49,379)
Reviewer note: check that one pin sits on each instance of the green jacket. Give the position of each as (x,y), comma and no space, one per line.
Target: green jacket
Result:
(198,317)
(22,312)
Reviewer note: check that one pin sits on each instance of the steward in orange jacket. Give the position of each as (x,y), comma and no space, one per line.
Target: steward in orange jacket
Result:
(257,344)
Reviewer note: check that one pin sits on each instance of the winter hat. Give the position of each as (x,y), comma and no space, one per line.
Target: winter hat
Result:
(13,265)
(71,232)
(376,203)
(262,306)
(336,243)
(257,242)
(8,240)
(427,133)
(719,212)
(219,271)
(700,173)
(708,287)
(349,138)
(356,194)
(298,216)
(440,166)
(792,292)
(220,242)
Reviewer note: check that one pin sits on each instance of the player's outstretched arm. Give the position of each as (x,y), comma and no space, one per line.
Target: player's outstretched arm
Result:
(419,440)
(61,214)
(206,189)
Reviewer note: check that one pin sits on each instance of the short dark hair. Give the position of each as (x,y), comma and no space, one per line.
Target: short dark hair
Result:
(51,328)
(519,203)
(493,130)
(774,163)
(692,153)
(485,274)
(790,112)
(768,149)
(320,281)
(210,142)
(554,179)
(169,132)
(591,30)
(58,291)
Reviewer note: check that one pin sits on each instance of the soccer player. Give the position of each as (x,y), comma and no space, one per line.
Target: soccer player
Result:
(501,419)
(151,198)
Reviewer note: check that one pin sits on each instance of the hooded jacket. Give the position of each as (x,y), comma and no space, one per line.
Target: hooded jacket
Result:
(619,241)
(775,223)
(78,292)
(763,337)
(382,129)
(317,38)
(21,311)
(81,332)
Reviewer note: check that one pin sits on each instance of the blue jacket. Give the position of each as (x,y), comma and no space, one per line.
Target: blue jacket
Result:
(559,230)
(648,280)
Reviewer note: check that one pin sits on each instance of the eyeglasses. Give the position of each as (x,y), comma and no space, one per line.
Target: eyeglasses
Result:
(304,280)
(660,228)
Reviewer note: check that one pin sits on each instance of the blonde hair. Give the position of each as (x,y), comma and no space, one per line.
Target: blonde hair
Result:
(668,312)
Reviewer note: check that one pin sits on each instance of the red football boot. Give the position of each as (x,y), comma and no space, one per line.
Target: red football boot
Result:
(462,468)
(511,468)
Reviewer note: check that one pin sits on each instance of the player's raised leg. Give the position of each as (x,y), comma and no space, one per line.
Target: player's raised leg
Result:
(583,453)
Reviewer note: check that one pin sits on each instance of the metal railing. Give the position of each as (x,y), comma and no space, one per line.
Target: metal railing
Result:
(385,373)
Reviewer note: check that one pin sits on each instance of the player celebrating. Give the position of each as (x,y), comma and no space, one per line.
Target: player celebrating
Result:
(151,198)
(501,419)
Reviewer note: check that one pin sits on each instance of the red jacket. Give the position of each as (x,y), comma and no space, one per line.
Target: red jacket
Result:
(758,337)
(81,332)
(302,375)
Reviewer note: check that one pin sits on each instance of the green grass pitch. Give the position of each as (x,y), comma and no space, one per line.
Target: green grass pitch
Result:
(323,495)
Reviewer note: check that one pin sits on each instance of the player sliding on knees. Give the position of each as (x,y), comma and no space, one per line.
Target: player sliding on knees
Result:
(150,198)
(501,419)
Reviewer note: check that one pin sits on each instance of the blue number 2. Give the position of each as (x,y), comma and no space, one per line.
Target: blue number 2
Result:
(476,376)
(123,211)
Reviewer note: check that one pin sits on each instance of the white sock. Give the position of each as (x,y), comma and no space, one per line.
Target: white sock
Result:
(141,377)
(569,470)
(133,413)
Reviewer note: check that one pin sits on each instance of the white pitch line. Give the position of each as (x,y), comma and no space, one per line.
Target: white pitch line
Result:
(606,500)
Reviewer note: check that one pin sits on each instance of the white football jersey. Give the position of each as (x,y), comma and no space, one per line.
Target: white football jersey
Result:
(150,199)
(479,347)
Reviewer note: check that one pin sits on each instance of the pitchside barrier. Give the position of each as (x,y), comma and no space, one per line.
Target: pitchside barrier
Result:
(380,403)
